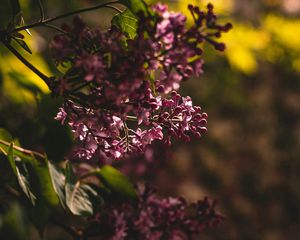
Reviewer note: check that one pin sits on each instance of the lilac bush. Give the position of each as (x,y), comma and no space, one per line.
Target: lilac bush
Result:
(120,95)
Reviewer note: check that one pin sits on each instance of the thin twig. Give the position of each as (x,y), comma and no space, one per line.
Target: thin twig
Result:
(22,150)
(41,11)
(27,63)
(55,28)
(38,24)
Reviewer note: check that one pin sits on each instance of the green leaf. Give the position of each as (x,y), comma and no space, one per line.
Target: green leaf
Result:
(30,172)
(81,198)
(44,181)
(117,182)
(23,45)
(22,173)
(127,22)
(135,5)
(58,180)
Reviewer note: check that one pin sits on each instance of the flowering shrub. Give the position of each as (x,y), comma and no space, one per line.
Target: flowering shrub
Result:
(103,93)
(119,95)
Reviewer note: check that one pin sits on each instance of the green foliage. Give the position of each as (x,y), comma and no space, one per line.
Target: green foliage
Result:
(117,182)
(58,179)
(45,184)
(44,181)
(81,198)
(21,171)
(135,5)
(127,22)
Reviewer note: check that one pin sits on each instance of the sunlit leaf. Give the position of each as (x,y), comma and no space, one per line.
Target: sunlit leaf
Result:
(135,5)
(127,22)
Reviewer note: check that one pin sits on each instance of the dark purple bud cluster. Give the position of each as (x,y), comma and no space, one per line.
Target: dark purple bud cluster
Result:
(120,93)
(154,218)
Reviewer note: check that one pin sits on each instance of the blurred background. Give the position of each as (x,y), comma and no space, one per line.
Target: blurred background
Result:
(250,157)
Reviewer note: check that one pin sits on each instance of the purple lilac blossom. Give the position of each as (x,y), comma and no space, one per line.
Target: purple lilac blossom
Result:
(120,94)
(153,218)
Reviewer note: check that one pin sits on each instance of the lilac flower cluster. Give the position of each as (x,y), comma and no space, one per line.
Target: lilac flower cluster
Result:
(153,218)
(120,93)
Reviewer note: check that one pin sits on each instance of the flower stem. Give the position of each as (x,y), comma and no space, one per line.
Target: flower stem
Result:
(43,22)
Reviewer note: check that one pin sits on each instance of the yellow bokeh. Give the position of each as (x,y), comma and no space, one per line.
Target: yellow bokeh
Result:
(243,42)
(285,31)
(275,35)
